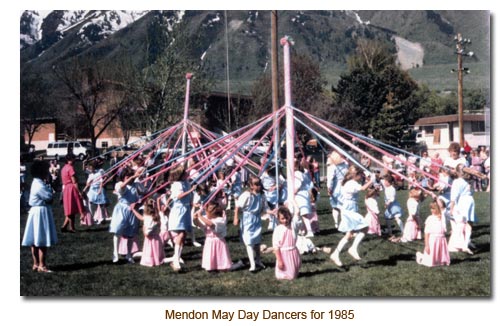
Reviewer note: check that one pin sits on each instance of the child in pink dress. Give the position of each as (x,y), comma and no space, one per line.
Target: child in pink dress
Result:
(285,247)
(436,248)
(216,255)
(411,230)
(372,211)
(152,249)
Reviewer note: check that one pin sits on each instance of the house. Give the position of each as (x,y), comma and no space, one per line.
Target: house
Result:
(212,115)
(438,132)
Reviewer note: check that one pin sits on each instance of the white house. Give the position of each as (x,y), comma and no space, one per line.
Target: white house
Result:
(439,131)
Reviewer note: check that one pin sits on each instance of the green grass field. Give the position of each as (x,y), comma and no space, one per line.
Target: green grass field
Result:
(82,266)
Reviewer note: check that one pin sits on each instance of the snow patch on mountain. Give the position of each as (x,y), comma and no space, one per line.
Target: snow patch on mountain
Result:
(211,20)
(70,18)
(105,23)
(410,54)
(31,23)
(354,14)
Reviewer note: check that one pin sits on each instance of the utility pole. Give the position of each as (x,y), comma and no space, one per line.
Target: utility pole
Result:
(460,52)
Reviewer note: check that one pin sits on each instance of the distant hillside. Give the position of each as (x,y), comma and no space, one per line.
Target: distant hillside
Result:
(329,37)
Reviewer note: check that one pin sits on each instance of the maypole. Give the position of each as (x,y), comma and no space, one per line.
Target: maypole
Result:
(275,97)
(186,110)
(290,129)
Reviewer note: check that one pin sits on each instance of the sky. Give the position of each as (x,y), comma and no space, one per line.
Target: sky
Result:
(80,311)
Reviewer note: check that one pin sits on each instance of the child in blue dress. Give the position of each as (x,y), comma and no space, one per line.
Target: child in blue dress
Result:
(179,220)
(40,231)
(96,194)
(253,204)
(123,221)
(393,210)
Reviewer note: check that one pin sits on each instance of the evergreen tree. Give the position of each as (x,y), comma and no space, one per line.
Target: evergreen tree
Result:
(376,97)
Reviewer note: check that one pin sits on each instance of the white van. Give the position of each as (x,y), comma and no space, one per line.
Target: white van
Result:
(59,149)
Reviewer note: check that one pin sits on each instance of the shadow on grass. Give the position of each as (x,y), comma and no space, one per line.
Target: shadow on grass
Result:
(391,261)
(342,269)
(479,230)
(88,265)
(93,229)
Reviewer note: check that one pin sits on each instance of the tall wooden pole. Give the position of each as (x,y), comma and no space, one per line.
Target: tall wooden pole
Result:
(290,128)
(186,110)
(274,59)
(460,92)
(275,88)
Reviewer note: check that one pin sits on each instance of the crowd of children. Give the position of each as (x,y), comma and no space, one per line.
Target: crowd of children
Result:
(169,216)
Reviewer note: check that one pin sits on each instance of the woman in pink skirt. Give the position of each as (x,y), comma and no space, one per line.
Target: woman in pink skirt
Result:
(72,197)
(152,249)
(436,248)
(285,247)
(216,255)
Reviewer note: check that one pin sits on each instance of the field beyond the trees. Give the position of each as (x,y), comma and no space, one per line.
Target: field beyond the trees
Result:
(82,265)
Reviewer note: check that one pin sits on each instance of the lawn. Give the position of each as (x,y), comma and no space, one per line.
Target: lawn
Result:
(82,266)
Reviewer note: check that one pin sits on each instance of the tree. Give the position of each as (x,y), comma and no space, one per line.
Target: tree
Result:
(35,105)
(158,89)
(375,97)
(308,92)
(92,94)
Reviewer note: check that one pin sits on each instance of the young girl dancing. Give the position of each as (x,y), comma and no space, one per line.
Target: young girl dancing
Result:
(123,221)
(392,208)
(40,231)
(351,221)
(285,247)
(462,213)
(152,249)
(216,255)
(436,250)
(179,219)
(253,205)
(96,194)
(412,230)
(372,211)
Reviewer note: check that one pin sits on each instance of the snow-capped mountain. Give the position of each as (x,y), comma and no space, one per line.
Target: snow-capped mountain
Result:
(31,26)
(92,26)
(241,39)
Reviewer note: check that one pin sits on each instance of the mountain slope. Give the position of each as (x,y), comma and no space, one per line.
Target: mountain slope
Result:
(328,37)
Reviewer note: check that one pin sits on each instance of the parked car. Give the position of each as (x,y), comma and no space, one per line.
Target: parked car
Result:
(261,149)
(59,149)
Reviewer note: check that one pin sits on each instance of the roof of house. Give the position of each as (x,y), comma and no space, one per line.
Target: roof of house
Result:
(448,118)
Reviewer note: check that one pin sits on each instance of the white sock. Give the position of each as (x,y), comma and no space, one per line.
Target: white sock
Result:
(468,232)
(335,214)
(177,254)
(357,241)
(400,223)
(251,257)
(341,245)
(116,240)
(307,223)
